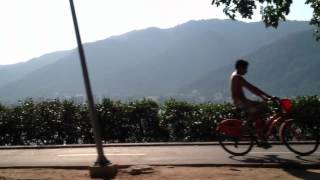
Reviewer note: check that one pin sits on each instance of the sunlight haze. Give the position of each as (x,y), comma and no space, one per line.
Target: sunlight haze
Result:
(35,27)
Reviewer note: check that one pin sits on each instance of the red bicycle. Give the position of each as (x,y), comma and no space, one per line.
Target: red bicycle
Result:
(237,136)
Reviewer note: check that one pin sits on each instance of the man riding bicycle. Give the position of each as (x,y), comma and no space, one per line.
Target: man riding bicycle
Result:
(253,108)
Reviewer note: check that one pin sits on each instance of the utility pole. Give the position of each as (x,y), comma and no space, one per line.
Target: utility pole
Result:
(100,168)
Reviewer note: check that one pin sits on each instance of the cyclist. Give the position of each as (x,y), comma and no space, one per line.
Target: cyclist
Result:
(253,108)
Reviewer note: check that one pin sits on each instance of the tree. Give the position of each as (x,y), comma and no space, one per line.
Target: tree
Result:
(272,11)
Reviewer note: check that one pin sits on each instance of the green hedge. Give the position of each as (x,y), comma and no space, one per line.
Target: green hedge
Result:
(307,109)
(64,122)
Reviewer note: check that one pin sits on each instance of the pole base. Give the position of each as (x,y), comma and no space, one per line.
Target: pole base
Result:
(105,172)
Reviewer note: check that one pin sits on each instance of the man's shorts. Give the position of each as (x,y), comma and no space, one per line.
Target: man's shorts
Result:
(251,107)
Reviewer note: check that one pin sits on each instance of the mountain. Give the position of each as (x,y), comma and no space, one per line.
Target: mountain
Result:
(287,67)
(149,62)
(14,72)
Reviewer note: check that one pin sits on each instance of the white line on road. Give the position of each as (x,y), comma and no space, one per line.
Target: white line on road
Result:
(75,155)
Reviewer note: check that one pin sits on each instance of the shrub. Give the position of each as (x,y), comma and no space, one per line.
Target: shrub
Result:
(307,109)
(59,122)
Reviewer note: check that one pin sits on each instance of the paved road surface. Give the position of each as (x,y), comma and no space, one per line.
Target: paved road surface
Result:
(153,155)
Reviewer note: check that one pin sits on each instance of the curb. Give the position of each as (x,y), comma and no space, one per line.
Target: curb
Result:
(117,145)
(252,165)
(110,145)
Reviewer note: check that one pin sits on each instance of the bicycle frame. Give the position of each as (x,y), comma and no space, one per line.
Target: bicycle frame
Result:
(232,127)
(278,118)
(274,121)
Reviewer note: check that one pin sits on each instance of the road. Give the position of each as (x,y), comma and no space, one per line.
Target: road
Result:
(196,155)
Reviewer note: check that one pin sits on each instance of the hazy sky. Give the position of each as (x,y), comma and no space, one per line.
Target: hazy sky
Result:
(30,28)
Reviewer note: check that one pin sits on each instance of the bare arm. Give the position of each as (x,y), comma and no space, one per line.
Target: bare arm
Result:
(255,90)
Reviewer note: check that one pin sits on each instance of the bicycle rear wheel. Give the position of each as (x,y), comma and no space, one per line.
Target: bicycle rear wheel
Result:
(300,138)
(237,145)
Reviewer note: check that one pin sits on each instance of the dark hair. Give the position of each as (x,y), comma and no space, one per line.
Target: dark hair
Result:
(241,63)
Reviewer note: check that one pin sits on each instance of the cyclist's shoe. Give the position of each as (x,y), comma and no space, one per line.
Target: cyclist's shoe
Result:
(263,144)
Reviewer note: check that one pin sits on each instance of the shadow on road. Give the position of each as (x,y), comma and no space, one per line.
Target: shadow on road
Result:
(273,159)
(292,167)
(303,173)
(302,158)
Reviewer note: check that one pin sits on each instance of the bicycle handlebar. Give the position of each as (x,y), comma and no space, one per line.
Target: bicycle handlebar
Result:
(274,99)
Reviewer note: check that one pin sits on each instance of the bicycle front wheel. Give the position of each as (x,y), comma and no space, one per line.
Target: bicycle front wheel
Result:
(300,138)
(237,145)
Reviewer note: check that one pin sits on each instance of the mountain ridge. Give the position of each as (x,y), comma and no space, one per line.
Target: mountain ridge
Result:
(281,72)
(150,62)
